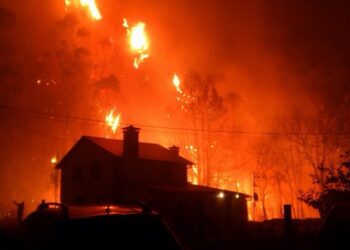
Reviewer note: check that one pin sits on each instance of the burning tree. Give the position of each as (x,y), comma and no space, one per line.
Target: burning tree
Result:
(199,98)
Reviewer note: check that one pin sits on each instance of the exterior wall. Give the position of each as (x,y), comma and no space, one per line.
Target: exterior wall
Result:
(92,175)
(88,176)
(201,215)
(155,172)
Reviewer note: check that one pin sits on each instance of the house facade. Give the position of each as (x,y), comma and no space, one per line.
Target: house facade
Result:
(106,171)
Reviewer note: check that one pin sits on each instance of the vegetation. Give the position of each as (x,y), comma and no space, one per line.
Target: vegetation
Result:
(336,188)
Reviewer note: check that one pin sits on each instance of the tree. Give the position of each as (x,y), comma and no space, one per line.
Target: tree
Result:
(201,100)
(320,136)
(268,171)
(336,187)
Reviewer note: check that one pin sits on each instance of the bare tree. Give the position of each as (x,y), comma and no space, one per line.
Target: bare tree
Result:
(314,140)
(265,173)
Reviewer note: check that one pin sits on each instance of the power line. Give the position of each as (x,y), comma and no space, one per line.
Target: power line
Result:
(39,133)
(157,127)
(69,117)
(40,113)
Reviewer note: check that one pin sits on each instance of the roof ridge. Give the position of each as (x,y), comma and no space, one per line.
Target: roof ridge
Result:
(147,150)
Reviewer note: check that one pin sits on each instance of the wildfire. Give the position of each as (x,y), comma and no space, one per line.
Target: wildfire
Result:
(138,41)
(89,4)
(113,121)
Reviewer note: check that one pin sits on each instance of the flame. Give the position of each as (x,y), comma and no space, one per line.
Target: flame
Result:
(176,82)
(138,41)
(89,4)
(113,121)
(125,24)
(193,154)
(138,38)
(184,99)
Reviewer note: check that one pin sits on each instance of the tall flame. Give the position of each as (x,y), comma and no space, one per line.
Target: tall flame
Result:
(138,41)
(89,4)
(113,121)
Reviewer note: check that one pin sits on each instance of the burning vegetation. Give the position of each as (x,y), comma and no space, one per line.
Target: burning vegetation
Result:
(250,119)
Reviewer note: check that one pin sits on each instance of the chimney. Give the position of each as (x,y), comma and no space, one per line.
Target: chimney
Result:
(131,142)
(174,150)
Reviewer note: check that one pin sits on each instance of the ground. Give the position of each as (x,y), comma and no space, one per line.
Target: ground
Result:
(257,235)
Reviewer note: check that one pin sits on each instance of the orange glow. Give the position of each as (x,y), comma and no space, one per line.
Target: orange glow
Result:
(113,121)
(89,4)
(138,41)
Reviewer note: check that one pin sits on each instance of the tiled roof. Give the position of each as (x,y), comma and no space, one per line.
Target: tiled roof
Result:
(147,151)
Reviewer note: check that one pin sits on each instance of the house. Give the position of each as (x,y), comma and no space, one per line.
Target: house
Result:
(106,171)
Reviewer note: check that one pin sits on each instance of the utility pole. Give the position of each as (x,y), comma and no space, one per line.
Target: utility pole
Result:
(54,177)
(255,195)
